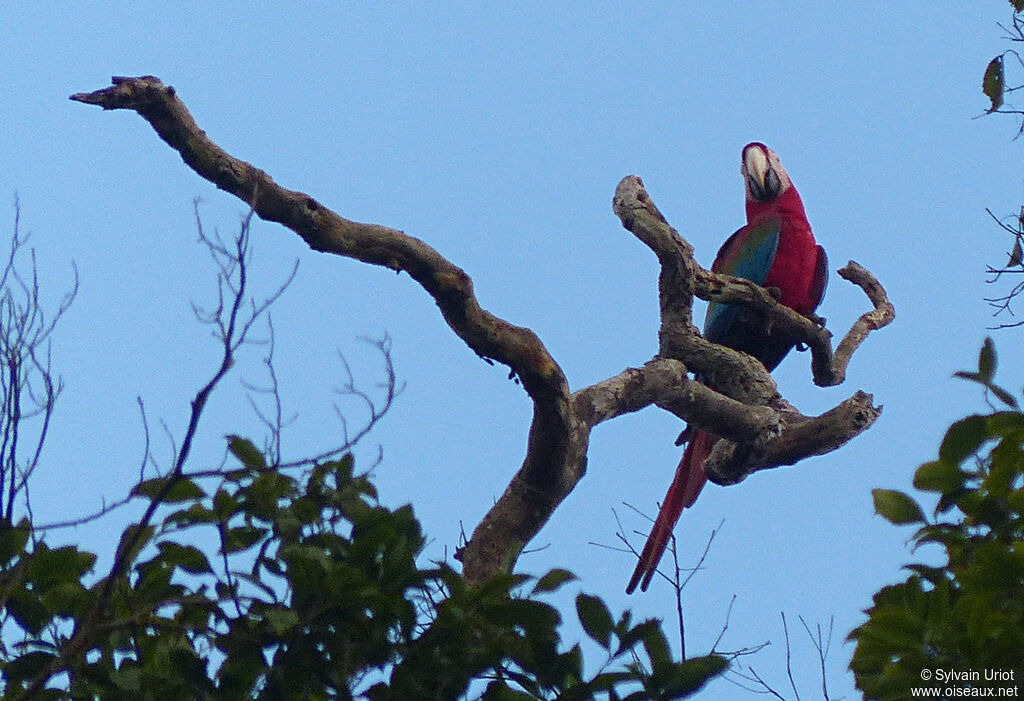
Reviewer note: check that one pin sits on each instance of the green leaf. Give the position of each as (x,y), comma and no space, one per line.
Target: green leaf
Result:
(26,667)
(950,537)
(1006,424)
(1004,467)
(1004,396)
(896,507)
(1018,5)
(993,84)
(632,636)
(963,439)
(127,678)
(1015,500)
(986,373)
(552,581)
(28,610)
(692,674)
(972,376)
(987,360)
(281,620)
(225,505)
(932,574)
(134,539)
(186,557)
(939,476)
(657,648)
(180,489)
(13,539)
(246,452)
(596,619)
(154,582)
(498,691)
(49,567)
(241,538)
(195,513)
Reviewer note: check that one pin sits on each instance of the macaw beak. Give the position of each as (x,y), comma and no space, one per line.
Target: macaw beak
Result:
(763,181)
(766,187)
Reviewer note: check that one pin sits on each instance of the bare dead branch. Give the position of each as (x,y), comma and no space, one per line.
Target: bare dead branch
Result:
(879,317)
(730,462)
(325,231)
(665,383)
(676,579)
(680,338)
(735,374)
(823,645)
(763,430)
(789,658)
(739,376)
(452,290)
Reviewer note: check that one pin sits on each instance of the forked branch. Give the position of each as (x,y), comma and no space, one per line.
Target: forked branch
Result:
(762,430)
(737,375)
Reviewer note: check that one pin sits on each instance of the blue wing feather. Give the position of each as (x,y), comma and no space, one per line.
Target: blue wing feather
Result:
(748,253)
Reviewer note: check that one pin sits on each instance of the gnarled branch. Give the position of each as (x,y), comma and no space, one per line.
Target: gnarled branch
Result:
(760,428)
(738,375)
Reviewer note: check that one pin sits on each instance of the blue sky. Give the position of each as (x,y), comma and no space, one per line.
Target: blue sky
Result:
(497,133)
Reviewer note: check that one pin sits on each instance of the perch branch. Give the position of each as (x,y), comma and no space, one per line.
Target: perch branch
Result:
(732,462)
(761,429)
(738,375)
(665,383)
(641,217)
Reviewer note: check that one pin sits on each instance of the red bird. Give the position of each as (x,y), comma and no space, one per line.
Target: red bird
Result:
(775,249)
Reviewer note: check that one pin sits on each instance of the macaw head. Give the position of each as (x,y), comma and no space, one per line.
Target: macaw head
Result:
(763,173)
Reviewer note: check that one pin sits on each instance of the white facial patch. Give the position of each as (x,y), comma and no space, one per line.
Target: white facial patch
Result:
(755,163)
(776,164)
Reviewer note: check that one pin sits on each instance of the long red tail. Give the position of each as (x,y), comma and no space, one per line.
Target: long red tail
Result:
(689,480)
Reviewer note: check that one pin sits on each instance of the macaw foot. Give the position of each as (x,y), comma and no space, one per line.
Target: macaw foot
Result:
(775,292)
(819,320)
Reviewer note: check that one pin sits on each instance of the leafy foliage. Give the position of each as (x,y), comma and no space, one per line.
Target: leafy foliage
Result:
(270,580)
(969,613)
(994,83)
(259,584)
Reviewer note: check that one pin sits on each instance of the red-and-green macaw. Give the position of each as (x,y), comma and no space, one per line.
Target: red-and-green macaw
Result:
(775,249)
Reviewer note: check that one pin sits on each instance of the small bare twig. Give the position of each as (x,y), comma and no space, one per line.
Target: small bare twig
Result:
(725,624)
(1015,265)
(822,645)
(28,386)
(789,658)
(677,581)
(274,422)
(376,408)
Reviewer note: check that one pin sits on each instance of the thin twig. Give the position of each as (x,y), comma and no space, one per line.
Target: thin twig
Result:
(789,655)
